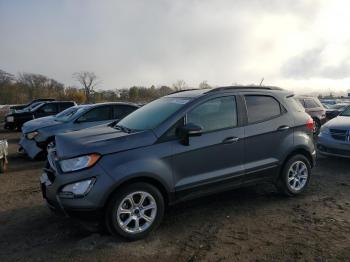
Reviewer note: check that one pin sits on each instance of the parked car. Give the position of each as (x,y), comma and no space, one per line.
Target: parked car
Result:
(334,138)
(38,133)
(20,107)
(178,147)
(315,109)
(36,110)
(335,110)
(3,155)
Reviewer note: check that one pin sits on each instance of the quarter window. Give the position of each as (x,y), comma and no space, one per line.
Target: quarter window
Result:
(216,114)
(261,108)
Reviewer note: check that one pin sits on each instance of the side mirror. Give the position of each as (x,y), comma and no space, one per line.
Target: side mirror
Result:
(188,130)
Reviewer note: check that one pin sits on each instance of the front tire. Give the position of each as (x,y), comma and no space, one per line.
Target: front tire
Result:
(295,176)
(134,211)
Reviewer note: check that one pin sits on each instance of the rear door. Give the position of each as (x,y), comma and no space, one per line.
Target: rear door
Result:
(269,131)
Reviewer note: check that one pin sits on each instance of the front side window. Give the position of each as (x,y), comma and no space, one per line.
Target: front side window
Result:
(102,113)
(216,114)
(262,108)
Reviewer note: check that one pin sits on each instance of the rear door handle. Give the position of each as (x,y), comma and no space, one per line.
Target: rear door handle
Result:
(283,128)
(231,139)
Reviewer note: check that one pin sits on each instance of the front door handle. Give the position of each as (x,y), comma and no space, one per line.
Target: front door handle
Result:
(231,139)
(283,128)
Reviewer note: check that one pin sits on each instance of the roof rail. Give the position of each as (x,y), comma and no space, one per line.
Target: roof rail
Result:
(183,90)
(244,87)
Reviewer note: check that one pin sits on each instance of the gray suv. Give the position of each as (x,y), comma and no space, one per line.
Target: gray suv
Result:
(179,147)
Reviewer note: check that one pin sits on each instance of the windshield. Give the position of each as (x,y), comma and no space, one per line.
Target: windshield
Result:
(34,106)
(30,107)
(152,114)
(346,112)
(68,114)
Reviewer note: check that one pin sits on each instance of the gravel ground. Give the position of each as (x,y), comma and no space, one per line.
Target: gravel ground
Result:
(250,224)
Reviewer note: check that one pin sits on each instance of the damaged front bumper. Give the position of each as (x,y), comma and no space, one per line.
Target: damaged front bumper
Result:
(29,147)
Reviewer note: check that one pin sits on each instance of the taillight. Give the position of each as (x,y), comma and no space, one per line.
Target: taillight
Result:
(310,124)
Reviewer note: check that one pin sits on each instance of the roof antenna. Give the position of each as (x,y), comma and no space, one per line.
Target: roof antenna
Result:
(262,80)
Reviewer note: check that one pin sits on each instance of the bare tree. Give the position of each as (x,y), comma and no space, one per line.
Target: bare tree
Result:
(179,85)
(204,85)
(5,78)
(89,81)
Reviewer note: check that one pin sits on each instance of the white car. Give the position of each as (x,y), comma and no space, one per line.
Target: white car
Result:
(3,155)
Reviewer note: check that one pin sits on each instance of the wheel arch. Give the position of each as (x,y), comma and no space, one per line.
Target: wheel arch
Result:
(145,179)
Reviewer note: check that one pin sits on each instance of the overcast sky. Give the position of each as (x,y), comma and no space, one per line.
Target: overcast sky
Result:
(300,45)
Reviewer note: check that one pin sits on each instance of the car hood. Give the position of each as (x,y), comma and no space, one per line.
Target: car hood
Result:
(38,123)
(101,139)
(340,122)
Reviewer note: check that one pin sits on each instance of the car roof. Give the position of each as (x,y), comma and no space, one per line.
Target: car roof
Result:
(110,103)
(190,93)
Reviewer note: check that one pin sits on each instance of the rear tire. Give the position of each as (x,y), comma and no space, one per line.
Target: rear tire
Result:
(295,176)
(134,211)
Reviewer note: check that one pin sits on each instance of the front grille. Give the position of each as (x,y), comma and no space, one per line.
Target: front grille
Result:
(339,134)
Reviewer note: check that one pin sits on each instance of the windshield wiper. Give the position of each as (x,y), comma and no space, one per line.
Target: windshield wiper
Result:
(123,128)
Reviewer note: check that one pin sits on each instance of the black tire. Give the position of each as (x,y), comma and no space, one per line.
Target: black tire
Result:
(284,185)
(111,210)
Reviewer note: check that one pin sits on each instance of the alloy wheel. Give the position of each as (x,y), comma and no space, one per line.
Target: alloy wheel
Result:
(298,175)
(136,212)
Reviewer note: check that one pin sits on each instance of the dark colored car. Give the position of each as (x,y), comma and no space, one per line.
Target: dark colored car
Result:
(36,110)
(315,109)
(334,110)
(179,147)
(20,107)
(334,138)
(38,133)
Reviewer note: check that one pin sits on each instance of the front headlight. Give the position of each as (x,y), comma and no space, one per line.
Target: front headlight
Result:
(78,163)
(10,119)
(77,189)
(32,135)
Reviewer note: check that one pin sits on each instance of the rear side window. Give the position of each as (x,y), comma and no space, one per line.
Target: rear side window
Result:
(121,111)
(97,114)
(262,108)
(65,105)
(310,103)
(216,114)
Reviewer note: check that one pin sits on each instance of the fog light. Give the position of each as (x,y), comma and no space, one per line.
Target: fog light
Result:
(77,189)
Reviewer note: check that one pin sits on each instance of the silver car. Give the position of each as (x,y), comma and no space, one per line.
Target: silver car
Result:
(38,133)
(334,138)
(3,155)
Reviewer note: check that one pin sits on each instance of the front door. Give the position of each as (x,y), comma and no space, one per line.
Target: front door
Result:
(214,160)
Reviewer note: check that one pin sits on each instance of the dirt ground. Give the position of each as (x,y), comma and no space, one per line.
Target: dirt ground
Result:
(250,224)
